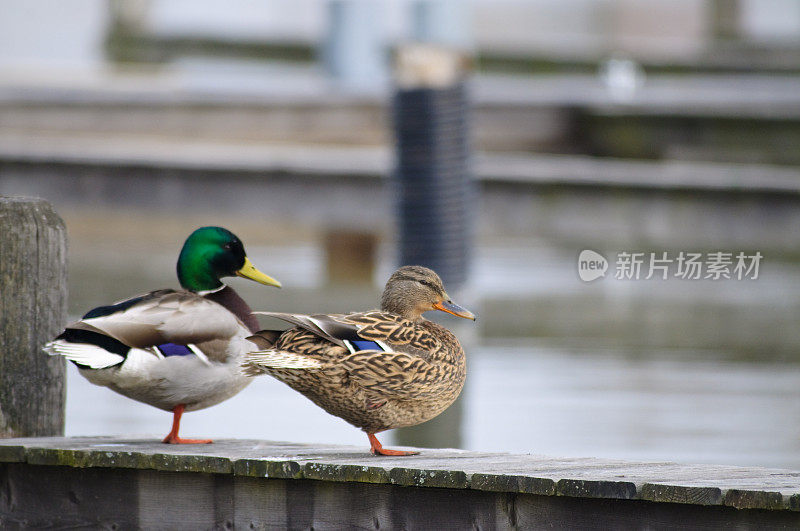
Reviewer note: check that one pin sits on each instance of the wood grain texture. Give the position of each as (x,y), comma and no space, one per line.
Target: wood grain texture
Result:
(67,498)
(513,483)
(681,494)
(33,302)
(129,483)
(107,498)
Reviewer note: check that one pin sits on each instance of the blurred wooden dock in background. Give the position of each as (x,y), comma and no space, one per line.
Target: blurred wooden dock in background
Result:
(560,158)
(752,118)
(569,199)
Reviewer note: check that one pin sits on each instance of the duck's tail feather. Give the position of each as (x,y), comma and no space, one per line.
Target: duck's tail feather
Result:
(83,354)
(260,362)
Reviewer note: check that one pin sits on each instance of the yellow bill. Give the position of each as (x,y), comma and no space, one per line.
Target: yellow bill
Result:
(248,270)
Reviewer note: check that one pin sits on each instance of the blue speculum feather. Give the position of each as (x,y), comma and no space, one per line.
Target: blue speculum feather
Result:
(365,345)
(173,349)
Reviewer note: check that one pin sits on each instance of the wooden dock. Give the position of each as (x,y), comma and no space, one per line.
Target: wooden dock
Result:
(121,483)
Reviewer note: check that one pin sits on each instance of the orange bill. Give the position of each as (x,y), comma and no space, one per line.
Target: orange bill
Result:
(449,306)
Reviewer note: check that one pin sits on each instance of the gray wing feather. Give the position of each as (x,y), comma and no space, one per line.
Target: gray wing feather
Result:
(325,326)
(178,317)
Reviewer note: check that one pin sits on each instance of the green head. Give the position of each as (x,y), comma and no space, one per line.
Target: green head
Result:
(211,253)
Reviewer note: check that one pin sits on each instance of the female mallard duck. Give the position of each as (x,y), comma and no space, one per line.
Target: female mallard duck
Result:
(177,350)
(379,369)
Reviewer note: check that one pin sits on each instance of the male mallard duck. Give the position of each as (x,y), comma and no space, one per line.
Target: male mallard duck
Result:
(377,370)
(177,350)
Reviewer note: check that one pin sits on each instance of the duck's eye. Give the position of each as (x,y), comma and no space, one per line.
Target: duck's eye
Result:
(228,246)
(429,285)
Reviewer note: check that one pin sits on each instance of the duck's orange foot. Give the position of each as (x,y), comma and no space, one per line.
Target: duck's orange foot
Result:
(174,439)
(377,449)
(389,451)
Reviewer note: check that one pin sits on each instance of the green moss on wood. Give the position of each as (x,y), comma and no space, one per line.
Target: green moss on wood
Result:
(87,458)
(522,484)
(754,499)
(794,502)
(360,474)
(12,454)
(58,457)
(191,463)
(260,468)
(410,477)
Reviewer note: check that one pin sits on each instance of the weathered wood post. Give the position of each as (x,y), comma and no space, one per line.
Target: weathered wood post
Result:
(436,196)
(33,307)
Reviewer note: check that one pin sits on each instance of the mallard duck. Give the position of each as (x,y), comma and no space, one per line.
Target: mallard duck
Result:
(379,369)
(177,350)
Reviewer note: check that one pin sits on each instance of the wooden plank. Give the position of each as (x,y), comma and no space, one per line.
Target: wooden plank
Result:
(513,483)
(680,494)
(261,504)
(33,302)
(173,500)
(741,488)
(744,499)
(49,496)
(63,497)
(581,488)
(538,512)
(429,478)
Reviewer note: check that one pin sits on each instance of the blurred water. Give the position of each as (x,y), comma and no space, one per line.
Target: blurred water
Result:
(681,406)
(578,388)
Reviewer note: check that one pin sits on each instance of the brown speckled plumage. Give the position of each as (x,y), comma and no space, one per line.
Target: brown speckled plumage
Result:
(419,377)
